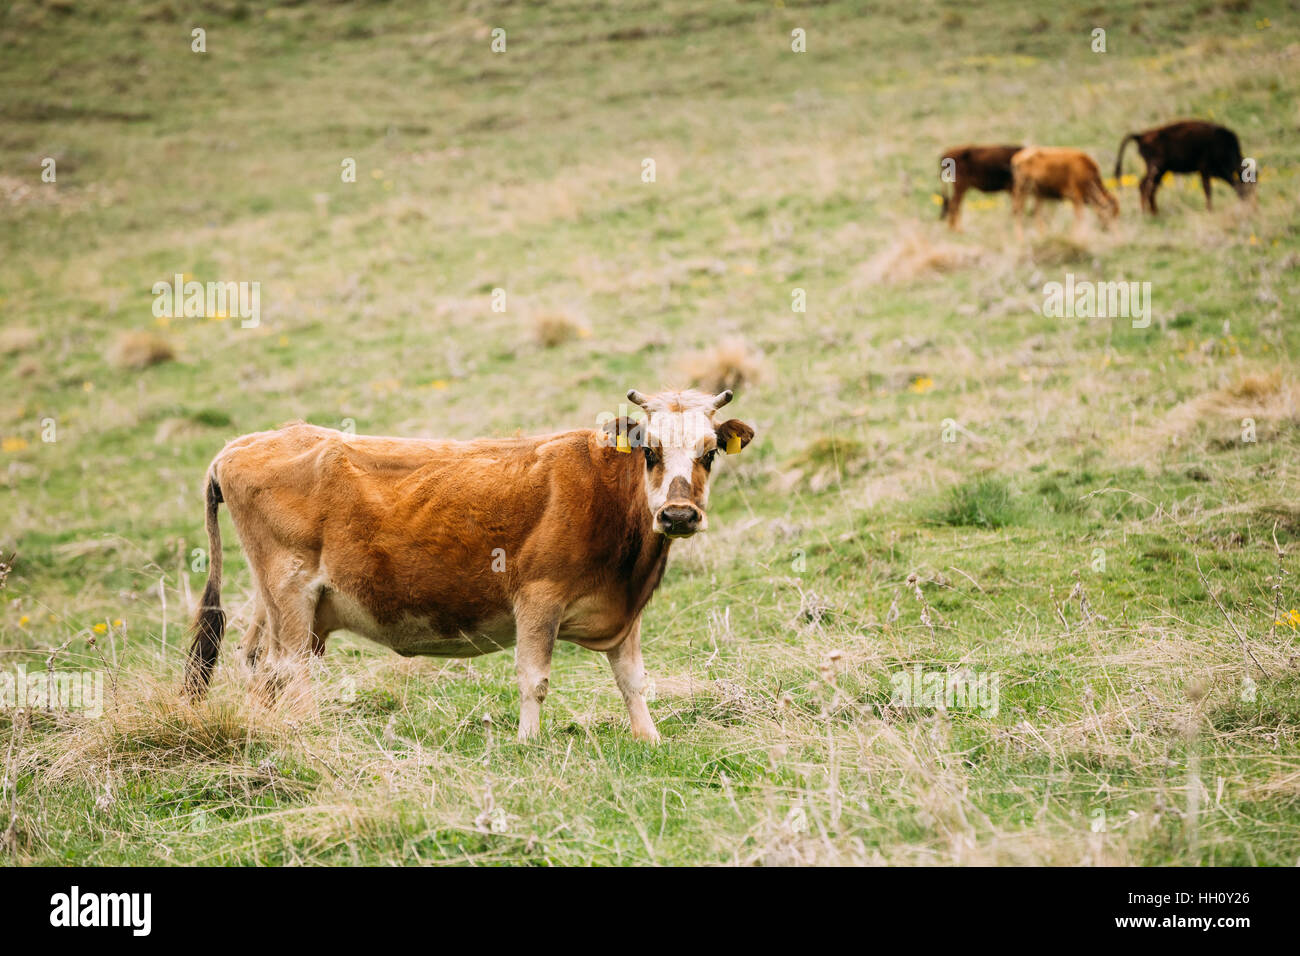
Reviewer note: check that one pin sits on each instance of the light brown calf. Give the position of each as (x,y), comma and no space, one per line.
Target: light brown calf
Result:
(1047,172)
(460,548)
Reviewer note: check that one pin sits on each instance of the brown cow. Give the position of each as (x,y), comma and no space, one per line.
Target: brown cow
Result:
(460,548)
(1052,172)
(1189,146)
(987,168)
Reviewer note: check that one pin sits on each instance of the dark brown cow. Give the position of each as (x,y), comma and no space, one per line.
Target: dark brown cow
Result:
(460,548)
(986,168)
(1189,146)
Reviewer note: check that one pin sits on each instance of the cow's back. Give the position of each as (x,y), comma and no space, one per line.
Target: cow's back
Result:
(1190,145)
(987,168)
(1056,171)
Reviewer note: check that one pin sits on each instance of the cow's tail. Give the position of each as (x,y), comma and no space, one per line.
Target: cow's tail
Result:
(1119,155)
(210,621)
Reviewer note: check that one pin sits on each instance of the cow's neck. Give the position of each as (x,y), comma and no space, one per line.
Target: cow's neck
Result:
(644,551)
(652,560)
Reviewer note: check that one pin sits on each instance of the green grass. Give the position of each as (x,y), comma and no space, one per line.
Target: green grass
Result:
(982,503)
(1055,542)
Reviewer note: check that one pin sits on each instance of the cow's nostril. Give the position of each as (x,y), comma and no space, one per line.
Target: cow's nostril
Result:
(678,518)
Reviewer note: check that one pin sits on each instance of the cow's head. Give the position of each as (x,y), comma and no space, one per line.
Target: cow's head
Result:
(1244,188)
(678,443)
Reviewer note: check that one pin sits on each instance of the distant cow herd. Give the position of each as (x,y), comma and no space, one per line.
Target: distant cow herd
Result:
(1056,173)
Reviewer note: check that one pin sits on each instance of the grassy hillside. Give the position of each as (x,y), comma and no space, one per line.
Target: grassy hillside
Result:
(1097,537)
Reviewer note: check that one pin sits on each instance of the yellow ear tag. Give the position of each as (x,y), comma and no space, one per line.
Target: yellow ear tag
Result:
(623,445)
(733,445)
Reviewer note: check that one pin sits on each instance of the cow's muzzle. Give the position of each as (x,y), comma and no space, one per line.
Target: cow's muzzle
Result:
(680,520)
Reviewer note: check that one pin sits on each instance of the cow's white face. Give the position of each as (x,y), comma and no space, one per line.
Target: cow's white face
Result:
(679,443)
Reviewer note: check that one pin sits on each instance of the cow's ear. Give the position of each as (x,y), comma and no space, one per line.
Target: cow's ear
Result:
(734,435)
(624,433)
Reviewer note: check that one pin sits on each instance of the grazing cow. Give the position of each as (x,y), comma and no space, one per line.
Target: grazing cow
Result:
(460,548)
(1051,172)
(987,168)
(1190,146)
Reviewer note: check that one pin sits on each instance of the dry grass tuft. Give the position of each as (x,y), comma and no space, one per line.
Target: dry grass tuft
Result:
(18,339)
(555,328)
(172,430)
(1256,387)
(916,254)
(146,726)
(1266,400)
(19,192)
(140,350)
(1059,250)
(730,363)
(826,460)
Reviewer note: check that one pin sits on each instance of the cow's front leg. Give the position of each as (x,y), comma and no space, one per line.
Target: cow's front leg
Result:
(954,206)
(535,629)
(629,673)
(1078,216)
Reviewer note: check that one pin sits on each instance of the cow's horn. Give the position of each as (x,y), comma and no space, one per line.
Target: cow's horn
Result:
(636,398)
(721,398)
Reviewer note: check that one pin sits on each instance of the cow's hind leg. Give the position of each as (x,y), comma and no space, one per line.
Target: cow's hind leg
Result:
(284,674)
(254,651)
(1146,189)
(1205,187)
(252,646)
(629,673)
(536,625)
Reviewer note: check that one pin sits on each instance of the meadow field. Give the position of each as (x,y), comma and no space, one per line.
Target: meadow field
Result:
(1096,520)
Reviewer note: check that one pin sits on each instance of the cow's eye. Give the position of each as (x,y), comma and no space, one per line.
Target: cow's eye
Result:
(707,459)
(651,457)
